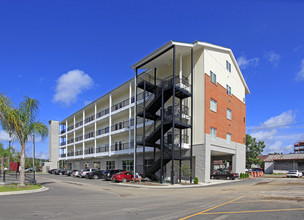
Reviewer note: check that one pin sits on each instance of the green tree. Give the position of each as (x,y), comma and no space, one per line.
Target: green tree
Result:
(4,154)
(253,150)
(23,122)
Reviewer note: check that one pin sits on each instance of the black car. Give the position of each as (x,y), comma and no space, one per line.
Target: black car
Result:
(51,171)
(70,172)
(97,174)
(59,172)
(224,175)
(109,173)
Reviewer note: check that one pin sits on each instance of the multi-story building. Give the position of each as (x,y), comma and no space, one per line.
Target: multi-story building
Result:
(299,147)
(189,111)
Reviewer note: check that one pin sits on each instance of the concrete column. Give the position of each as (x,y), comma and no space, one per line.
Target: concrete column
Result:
(181,68)
(110,123)
(130,114)
(74,135)
(83,133)
(95,127)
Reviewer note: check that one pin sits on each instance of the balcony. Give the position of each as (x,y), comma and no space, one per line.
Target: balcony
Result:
(71,141)
(78,152)
(102,149)
(78,124)
(62,155)
(120,146)
(62,131)
(63,143)
(89,119)
(70,127)
(120,125)
(89,151)
(79,138)
(102,113)
(89,135)
(70,153)
(120,105)
(102,131)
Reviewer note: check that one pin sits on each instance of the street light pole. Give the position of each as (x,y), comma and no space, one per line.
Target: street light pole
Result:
(34,156)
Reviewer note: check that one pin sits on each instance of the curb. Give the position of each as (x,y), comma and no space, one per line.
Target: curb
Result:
(176,186)
(24,191)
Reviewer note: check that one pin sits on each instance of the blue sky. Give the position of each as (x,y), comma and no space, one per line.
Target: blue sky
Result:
(42,42)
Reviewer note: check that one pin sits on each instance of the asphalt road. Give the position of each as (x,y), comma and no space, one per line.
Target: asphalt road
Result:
(74,198)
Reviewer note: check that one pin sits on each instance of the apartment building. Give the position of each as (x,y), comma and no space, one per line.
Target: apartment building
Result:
(184,109)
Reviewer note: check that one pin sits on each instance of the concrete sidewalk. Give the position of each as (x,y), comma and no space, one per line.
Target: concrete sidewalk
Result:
(169,186)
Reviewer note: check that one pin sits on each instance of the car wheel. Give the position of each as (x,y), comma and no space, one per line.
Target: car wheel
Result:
(228,177)
(212,177)
(124,180)
(95,177)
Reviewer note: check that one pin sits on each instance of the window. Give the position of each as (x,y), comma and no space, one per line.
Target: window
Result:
(96,165)
(229,112)
(228,138)
(213,132)
(110,165)
(228,90)
(213,105)
(127,165)
(228,66)
(213,77)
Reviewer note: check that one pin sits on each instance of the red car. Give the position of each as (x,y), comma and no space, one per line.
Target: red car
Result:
(123,176)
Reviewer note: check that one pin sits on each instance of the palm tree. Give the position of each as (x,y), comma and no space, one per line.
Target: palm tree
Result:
(22,121)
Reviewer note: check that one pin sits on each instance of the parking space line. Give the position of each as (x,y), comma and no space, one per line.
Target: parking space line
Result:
(253,211)
(206,210)
(250,201)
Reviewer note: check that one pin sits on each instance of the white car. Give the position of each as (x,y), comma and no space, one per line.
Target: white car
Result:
(294,173)
(84,172)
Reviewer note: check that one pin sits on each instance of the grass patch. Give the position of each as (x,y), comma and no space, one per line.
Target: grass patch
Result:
(16,187)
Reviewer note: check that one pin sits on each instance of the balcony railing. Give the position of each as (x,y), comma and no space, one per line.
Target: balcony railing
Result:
(63,143)
(62,155)
(102,113)
(89,119)
(70,127)
(102,131)
(70,153)
(78,152)
(71,141)
(120,105)
(120,146)
(120,125)
(78,124)
(102,149)
(89,135)
(89,151)
(62,131)
(79,138)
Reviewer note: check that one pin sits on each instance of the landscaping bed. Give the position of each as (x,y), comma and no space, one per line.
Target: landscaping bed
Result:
(16,187)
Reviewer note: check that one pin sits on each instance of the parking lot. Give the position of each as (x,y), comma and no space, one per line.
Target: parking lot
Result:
(78,198)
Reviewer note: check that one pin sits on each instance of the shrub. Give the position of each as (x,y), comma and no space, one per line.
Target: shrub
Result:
(195,180)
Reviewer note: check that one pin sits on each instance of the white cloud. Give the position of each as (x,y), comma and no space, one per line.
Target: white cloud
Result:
(243,62)
(273,58)
(298,48)
(282,120)
(70,85)
(276,146)
(264,135)
(300,75)
(4,136)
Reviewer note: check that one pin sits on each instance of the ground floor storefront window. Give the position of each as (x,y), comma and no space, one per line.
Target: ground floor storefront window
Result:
(96,165)
(110,165)
(128,165)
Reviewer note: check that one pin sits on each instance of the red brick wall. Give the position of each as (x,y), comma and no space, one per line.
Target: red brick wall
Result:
(236,126)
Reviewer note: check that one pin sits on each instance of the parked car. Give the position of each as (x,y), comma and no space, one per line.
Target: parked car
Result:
(294,173)
(70,172)
(28,170)
(84,172)
(77,173)
(124,176)
(109,173)
(224,175)
(97,174)
(59,172)
(51,171)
